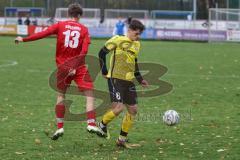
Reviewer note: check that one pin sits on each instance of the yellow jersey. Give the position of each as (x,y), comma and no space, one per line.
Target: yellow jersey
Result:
(123,54)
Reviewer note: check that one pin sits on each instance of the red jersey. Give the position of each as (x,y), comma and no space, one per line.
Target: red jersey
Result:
(72,39)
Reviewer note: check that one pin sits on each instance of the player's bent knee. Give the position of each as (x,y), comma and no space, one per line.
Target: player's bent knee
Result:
(117,108)
(132,110)
(60,98)
(117,111)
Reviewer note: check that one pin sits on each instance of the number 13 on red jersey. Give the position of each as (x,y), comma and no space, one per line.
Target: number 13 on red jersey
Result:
(73,43)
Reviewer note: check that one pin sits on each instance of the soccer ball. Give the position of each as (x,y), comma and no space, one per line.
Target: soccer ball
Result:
(171,117)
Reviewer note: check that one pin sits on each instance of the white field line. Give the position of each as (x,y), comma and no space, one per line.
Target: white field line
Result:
(8,64)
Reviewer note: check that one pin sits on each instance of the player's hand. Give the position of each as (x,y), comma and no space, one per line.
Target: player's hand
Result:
(72,72)
(144,83)
(18,39)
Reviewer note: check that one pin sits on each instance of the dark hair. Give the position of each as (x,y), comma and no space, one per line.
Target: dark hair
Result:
(75,10)
(136,25)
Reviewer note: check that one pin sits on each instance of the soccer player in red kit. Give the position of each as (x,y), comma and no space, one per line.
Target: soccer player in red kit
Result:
(72,42)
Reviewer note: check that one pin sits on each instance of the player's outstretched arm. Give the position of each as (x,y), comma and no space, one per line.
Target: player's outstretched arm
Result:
(49,31)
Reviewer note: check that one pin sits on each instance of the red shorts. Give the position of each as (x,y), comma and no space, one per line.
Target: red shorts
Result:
(82,79)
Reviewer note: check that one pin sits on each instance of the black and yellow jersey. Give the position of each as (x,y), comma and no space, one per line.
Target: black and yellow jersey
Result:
(123,54)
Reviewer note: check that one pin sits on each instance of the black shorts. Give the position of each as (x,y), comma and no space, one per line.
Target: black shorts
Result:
(122,91)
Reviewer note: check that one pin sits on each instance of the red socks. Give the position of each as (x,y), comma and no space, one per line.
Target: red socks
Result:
(91,118)
(60,111)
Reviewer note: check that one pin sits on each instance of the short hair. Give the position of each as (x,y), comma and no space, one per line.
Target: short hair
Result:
(136,25)
(75,10)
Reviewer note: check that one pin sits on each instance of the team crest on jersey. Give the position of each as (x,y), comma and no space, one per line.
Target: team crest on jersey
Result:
(135,47)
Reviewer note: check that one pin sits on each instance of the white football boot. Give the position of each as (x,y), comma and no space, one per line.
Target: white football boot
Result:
(57,134)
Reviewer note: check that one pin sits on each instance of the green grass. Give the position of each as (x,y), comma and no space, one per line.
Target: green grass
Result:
(206,94)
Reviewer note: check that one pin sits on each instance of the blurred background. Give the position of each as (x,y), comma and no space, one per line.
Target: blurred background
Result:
(203,16)
(51,5)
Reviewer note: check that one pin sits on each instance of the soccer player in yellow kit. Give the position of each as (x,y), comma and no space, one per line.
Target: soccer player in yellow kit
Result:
(123,69)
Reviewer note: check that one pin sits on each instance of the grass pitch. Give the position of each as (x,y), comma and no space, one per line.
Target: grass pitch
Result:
(206,94)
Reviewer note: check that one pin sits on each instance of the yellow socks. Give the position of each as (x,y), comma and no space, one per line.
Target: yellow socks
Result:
(108,117)
(126,124)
